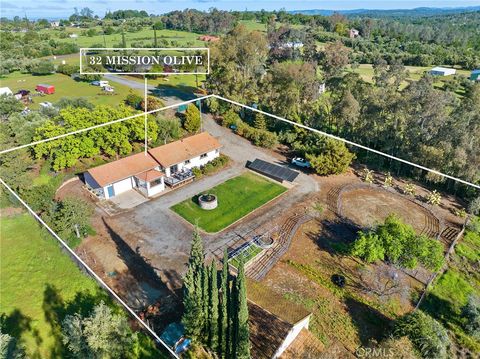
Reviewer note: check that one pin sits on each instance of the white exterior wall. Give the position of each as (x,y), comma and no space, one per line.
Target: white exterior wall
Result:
(292,335)
(197,161)
(119,187)
(152,191)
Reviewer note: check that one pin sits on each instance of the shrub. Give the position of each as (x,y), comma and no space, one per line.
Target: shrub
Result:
(197,172)
(68,69)
(231,118)
(398,242)
(133,100)
(471,314)
(41,67)
(427,335)
(333,158)
(192,121)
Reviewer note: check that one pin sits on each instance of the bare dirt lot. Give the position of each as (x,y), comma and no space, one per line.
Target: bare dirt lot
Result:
(374,294)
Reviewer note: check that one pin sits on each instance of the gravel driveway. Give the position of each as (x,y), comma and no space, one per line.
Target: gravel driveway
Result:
(164,238)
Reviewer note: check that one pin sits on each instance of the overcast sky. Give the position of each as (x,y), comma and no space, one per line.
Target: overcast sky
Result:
(55,9)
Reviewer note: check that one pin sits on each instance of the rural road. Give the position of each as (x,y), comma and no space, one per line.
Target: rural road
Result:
(170,95)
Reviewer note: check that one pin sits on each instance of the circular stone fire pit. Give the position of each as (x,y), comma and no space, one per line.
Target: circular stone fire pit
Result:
(208,201)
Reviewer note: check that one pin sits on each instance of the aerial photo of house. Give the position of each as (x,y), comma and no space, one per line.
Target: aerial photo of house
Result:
(198,180)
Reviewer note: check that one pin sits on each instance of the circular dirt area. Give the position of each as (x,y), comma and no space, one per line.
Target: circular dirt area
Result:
(368,206)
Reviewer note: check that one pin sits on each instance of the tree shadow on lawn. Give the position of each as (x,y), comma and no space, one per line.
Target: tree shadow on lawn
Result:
(138,266)
(17,324)
(371,324)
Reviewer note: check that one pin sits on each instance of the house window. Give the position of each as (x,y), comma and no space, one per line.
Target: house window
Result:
(156,182)
(203,156)
(187,162)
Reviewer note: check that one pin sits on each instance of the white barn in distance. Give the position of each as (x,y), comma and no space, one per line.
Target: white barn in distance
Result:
(442,71)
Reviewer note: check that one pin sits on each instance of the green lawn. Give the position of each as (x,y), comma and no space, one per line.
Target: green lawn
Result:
(40,284)
(64,87)
(133,39)
(248,255)
(366,72)
(237,197)
(30,263)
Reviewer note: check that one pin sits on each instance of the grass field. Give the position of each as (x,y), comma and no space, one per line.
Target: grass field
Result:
(450,291)
(29,264)
(143,37)
(237,197)
(366,72)
(248,255)
(64,87)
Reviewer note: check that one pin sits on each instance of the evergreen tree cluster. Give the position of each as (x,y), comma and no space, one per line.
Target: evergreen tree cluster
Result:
(215,305)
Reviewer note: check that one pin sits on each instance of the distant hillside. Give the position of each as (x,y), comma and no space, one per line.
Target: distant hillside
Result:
(417,12)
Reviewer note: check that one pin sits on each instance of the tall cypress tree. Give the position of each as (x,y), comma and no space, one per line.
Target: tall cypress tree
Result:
(233,319)
(223,337)
(193,317)
(242,329)
(213,307)
(205,300)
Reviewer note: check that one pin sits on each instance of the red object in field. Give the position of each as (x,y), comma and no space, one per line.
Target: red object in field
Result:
(46,89)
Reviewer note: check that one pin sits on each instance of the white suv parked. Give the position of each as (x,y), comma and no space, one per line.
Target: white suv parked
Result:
(301,162)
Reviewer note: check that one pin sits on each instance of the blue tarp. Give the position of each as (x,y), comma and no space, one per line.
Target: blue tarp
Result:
(172,334)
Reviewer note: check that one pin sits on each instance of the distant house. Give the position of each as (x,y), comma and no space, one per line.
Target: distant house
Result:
(442,71)
(353,33)
(46,89)
(55,23)
(475,75)
(148,173)
(208,38)
(5,91)
(292,45)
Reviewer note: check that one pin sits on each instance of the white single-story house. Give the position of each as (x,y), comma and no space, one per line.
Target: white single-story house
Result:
(5,91)
(169,164)
(442,71)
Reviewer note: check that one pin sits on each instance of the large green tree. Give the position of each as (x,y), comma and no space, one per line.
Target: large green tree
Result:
(102,334)
(192,122)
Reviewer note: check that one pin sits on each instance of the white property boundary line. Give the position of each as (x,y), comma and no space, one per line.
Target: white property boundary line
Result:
(348,142)
(255,110)
(110,290)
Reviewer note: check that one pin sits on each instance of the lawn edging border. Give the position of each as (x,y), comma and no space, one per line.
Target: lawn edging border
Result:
(201,230)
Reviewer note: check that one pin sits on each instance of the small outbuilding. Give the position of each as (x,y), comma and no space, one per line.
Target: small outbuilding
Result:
(475,75)
(5,91)
(442,71)
(46,89)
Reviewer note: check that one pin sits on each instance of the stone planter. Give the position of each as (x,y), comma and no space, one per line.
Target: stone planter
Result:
(207,201)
